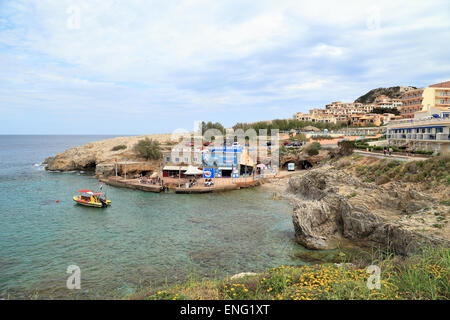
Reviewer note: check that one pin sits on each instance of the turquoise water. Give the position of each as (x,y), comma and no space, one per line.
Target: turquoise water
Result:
(142,239)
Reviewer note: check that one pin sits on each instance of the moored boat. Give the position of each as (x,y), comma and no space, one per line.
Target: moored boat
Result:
(91,199)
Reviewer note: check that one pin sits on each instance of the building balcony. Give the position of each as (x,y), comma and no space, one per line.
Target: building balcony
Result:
(412,122)
(441,137)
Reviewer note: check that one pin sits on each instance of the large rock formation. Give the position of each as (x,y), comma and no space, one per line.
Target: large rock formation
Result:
(392,92)
(333,205)
(86,157)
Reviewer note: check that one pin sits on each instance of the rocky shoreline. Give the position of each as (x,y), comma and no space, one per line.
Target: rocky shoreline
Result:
(332,207)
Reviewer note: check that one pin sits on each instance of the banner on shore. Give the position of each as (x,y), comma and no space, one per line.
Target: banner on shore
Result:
(208,173)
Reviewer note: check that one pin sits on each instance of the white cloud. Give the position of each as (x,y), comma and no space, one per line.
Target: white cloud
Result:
(317,84)
(197,56)
(326,50)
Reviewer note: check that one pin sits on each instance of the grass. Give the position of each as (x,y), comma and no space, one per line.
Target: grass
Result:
(421,276)
(431,172)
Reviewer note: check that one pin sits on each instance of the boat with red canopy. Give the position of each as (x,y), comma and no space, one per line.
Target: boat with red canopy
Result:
(91,199)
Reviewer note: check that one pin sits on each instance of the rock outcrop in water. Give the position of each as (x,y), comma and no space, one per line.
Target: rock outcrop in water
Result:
(333,205)
(87,156)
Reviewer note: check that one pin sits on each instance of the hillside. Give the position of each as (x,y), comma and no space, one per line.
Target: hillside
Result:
(392,92)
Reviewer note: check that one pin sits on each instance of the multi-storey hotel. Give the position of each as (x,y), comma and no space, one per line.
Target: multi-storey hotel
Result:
(429,129)
(437,95)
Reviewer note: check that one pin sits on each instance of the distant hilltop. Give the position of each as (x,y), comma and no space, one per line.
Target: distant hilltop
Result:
(392,92)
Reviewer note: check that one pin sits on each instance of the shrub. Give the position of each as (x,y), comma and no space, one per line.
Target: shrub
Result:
(148,149)
(119,147)
(313,149)
(320,137)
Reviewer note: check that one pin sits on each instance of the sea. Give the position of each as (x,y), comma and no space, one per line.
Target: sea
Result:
(144,240)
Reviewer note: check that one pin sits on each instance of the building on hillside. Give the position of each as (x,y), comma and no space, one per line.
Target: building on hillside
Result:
(364,120)
(315,118)
(349,108)
(388,117)
(435,97)
(384,101)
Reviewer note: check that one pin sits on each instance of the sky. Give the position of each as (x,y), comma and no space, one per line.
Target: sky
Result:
(141,67)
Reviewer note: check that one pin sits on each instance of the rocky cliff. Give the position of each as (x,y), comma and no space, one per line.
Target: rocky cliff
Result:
(392,92)
(87,156)
(332,205)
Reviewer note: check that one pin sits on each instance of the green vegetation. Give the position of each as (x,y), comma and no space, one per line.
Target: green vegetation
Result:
(320,137)
(364,145)
(432,172)
(211,125)
(119,147)
(313,148)
(382,110)
(148,149)
(286,125)
(421,276)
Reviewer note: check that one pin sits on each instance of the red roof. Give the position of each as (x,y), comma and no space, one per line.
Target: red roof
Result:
(84,191)
(445,84)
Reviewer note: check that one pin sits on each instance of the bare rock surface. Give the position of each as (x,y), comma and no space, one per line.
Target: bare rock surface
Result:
(332,205)
(89,155)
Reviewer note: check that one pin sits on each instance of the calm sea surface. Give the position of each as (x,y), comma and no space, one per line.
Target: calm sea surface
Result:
(142,239)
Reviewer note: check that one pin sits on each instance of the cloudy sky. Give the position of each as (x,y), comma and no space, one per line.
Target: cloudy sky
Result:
(137,66)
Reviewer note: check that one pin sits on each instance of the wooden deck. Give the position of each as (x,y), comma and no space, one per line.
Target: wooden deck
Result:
(131,184)
(220,185)
(219,188)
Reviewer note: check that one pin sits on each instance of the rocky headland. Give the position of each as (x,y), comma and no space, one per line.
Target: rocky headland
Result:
(333,206)
(88,156)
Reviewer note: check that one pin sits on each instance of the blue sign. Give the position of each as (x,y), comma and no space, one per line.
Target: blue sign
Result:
(208,173)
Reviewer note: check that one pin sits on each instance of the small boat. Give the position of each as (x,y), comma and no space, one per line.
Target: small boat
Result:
(91,199)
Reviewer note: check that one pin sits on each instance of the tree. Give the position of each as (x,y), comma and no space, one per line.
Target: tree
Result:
(381,110)
(210,125)
(148,149)
(345,148)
